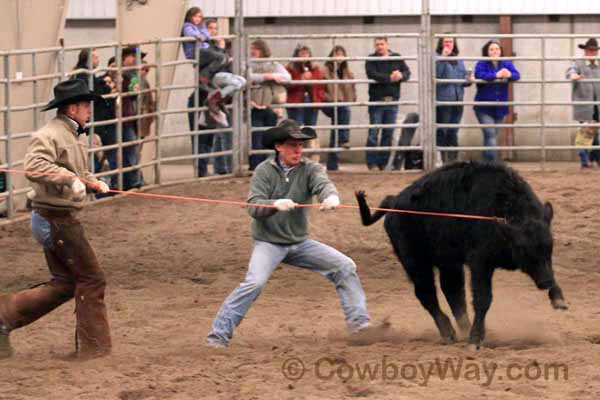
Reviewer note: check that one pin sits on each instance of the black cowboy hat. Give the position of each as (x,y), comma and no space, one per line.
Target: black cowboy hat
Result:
(71,91)
(287,129)
(591,44)
(131,50)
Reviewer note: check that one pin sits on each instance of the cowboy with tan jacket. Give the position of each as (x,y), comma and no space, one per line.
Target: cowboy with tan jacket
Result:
(56,162)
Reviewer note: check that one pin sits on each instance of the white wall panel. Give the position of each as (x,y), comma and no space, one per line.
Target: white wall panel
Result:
(100,9)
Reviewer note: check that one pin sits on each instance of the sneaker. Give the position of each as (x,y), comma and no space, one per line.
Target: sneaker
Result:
(219,118)
(213,101)
(6,349)
(216,343)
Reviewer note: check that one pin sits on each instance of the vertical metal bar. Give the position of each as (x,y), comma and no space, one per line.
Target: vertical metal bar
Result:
(158,123)
(239,67)
(34,87)
(119,114)
(336,137)
(426,92)
(138,108)
(7,132)
(61,60)
(90,79)
(196,93)
(434,107)
(543,108)
(245,139)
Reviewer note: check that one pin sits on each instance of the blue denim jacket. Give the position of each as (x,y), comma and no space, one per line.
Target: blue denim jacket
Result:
(497,91)
(449,70)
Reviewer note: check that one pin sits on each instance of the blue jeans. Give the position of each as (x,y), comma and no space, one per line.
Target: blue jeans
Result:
(448,137)
(131,179)
(40,228)
(342,118)
(222,164)
(380,115)
(228,83)
(260,118)
(305,115)
(108,134)
(587,156)
(489,134)
(310,254)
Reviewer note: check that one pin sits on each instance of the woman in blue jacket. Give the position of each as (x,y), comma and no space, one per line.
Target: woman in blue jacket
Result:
(449,69)
(497,73)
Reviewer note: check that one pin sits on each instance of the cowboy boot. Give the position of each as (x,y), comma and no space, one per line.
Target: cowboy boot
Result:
(6,349)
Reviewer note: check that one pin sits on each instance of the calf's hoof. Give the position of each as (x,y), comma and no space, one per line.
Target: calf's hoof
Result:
(559,304)
(473,348)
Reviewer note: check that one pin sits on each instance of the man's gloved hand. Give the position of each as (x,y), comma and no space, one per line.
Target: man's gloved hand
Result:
(284,204)
(102,187)
(330,203)
(78,189)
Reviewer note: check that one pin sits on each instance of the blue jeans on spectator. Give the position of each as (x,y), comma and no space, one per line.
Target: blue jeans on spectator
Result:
(448,137)
(265,117)
(309,254)
(108,135)
(204,145)
(131,179)
(587,156)
(222,142)
(380,115)
(342,117)
(489,134)
(305,115)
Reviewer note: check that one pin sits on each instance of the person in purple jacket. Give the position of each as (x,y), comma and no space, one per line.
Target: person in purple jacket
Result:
(497,73)
(211,60)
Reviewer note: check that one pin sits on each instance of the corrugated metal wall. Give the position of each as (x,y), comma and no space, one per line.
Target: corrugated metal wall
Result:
(106,9)
(92,9)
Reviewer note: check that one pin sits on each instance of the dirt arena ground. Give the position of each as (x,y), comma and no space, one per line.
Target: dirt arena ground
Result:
(171,264)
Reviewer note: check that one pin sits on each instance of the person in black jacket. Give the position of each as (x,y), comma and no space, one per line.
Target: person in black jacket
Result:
(388,74)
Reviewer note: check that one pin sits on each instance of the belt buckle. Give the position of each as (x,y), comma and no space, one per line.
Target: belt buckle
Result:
(388,99)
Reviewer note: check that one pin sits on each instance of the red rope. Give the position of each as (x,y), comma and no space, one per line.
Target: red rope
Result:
(244,204)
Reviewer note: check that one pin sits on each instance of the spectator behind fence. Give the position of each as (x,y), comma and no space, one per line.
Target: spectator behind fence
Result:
(99,86)
(131,179)
(334,93)
(388,74)
(211,59)
(497,73)
(203,143)
(148,104)
(227,84)
(449,69)
(300,71)
(267,91)
(586,91)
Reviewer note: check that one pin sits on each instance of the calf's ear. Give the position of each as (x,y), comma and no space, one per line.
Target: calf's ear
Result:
(548,212)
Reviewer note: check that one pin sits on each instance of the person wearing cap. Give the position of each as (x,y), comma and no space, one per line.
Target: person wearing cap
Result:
(497,74)
(285,181)
(56,162)
(578,72)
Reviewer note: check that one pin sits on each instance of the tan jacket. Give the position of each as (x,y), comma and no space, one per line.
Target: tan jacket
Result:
(346,92)
(57,149)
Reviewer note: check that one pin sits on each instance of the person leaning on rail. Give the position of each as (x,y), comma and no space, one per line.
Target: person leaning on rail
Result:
(285,181)
(56,162)
(586,91)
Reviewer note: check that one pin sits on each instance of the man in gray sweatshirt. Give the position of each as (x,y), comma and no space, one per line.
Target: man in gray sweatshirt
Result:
(280,232)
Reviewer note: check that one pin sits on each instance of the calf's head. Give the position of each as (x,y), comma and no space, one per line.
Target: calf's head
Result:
(530,244)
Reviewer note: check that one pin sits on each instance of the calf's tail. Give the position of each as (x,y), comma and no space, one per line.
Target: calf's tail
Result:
(365,212)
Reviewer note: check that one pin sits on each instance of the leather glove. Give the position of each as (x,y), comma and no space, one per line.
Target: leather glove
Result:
(330,203)
(78,189)
(102,187)
(284,204)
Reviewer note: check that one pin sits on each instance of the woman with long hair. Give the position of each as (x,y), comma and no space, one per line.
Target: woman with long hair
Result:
(498,74)
(338,93)
(449,69)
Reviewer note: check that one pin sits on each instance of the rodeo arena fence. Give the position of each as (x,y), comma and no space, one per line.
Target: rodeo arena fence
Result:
(240,121)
